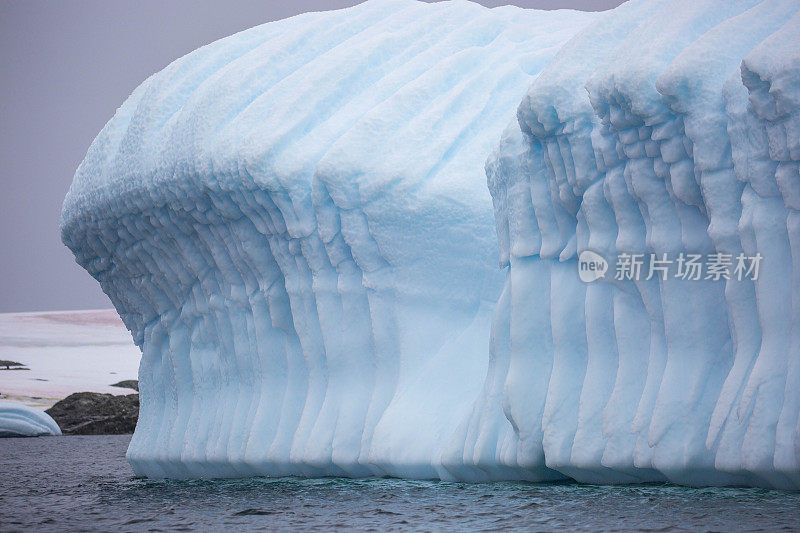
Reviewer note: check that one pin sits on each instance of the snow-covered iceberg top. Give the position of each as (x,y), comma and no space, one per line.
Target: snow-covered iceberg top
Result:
(294,223)
(18,420)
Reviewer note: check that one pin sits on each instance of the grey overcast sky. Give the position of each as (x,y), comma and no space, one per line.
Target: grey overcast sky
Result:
(65,67)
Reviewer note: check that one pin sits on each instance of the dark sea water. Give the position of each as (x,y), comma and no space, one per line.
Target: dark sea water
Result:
(84,483)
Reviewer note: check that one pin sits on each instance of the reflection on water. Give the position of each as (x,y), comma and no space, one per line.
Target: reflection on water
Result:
(58,483)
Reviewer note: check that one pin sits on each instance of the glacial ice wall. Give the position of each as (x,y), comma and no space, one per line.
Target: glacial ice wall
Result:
(295,226)
(671,129)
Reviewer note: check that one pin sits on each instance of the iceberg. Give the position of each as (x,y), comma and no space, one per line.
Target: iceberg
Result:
(294,224)
(18,420)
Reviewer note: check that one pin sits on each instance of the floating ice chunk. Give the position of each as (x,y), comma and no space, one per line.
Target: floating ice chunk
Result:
(18,420)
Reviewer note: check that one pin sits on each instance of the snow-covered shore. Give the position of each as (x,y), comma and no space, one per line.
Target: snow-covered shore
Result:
(65,352)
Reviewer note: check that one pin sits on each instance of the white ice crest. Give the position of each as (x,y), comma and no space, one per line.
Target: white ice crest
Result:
(591,266)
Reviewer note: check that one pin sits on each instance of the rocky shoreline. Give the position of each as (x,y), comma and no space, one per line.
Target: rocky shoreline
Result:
(93,413)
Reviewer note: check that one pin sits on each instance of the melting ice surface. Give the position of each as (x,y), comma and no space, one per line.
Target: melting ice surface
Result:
(294,224)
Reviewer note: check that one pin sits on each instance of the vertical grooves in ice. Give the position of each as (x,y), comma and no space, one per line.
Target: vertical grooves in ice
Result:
(689,113)
(241,211)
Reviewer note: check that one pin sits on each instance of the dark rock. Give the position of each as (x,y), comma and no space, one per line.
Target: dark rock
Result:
(9,364)
(93,413)
(128,384)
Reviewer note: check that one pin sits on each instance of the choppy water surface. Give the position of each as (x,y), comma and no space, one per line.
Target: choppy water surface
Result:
(84,483)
